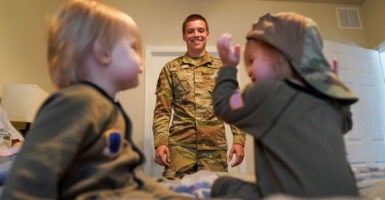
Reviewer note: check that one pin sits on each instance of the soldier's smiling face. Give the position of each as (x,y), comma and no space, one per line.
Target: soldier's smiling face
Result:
(195,35)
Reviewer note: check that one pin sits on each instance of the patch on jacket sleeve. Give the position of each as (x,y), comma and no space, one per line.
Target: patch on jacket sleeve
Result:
(114,142)
(236,101)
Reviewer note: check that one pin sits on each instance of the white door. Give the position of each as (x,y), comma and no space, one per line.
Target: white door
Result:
(361,70)
(155,58)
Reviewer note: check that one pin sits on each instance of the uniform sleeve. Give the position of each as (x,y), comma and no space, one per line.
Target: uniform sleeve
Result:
(50,146)
(163,108)
(239,137)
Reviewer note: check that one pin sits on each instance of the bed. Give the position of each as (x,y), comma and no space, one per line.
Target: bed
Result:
(370,182)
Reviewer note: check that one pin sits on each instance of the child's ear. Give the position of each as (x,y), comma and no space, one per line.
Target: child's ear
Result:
(101,54)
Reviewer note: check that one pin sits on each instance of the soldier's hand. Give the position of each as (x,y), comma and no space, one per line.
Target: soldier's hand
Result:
(228,56)
(162,155)
(239,152)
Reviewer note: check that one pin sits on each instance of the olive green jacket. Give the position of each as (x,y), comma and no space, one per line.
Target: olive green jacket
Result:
(298,134)
(80,147)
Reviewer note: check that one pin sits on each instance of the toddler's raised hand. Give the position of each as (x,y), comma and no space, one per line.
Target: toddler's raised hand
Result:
(228,56)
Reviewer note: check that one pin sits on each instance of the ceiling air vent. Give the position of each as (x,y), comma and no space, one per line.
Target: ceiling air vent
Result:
(348,18)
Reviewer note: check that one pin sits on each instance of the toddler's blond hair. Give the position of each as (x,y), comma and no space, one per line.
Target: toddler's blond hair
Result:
(73,32)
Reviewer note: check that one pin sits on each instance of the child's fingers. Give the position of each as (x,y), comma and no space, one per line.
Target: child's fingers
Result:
(237,53)
(224,41)
(237,50)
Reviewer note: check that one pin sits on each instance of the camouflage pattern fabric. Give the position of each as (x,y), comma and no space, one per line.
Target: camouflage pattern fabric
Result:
(184,95)
(189,160)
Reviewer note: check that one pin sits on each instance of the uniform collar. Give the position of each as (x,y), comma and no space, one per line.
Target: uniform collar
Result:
(206,59)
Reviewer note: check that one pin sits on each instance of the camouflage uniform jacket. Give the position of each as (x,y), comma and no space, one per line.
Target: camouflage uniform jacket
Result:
(72,151)
(185,86)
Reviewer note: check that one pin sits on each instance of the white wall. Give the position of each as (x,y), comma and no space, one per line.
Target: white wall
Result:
(374,22)
(22,41)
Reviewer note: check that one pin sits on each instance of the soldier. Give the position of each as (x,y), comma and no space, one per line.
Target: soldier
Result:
(296,111)
(196,138)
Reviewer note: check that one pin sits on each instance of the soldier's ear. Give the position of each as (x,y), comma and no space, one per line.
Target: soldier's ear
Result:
(101,54)
(184,38)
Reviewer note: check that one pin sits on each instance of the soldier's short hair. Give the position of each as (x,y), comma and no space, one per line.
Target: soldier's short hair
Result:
(194,17)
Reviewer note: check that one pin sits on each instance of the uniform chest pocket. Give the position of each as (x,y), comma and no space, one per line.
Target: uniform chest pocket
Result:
(182,84)
(209,80)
